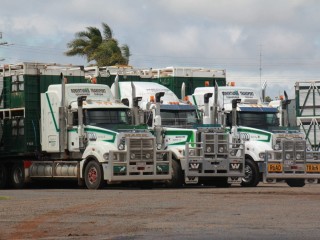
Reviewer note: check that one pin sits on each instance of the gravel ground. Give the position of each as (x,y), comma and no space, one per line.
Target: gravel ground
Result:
(59,212)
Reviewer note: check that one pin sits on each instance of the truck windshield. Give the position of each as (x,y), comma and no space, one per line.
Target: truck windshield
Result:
(181,118)
(106,118)
(258,120)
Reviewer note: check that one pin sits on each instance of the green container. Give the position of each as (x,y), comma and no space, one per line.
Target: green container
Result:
(21,132)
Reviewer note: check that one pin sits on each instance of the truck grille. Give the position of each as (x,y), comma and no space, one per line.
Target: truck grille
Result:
(141,149)
(215,144)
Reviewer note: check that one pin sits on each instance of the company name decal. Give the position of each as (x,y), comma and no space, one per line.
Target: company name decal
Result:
(88,91)
(238,94)
(142,135)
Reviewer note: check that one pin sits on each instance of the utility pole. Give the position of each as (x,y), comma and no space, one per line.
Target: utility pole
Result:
(264,85)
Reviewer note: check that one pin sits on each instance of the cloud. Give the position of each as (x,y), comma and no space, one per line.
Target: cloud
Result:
(220,34)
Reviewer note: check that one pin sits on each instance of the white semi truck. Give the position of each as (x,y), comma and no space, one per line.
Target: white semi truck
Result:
(271,152)
(72,131)
(201,153)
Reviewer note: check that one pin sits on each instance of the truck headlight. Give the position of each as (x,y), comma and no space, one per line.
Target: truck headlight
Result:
(121,146)
(106,156)
(233,152)
(288,156)
(298,156)
(277,146)
(221,149)
(148,155)
(132,156)
(191,152)
(208,149)
(262,155)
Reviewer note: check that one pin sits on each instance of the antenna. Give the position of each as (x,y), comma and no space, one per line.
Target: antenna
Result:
(260,68)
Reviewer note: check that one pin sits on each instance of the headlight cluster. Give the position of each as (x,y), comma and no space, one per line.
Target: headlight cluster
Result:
(233,152)
(106,156)
(208,149)
(191,152)
(122,144)
(277,146)
(288,156)
(159,146)
(262,155)
(221,149)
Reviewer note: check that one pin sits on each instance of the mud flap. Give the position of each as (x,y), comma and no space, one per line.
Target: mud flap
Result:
(234,180)
(191,180)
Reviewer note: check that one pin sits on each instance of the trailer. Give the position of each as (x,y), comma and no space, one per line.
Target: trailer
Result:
(307,103)
(171,77)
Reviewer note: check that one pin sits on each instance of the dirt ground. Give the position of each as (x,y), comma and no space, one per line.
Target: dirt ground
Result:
(59,212)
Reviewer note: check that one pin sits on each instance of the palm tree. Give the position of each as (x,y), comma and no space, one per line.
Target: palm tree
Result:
(104,49)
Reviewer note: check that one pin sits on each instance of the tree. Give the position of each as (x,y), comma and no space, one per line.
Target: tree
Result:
(103,49)
(268,99)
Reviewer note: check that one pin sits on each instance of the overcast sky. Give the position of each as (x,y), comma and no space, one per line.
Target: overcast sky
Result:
(280,36)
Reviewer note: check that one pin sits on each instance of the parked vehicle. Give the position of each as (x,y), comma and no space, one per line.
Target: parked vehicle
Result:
(202,153)
(75,131)
(272,152)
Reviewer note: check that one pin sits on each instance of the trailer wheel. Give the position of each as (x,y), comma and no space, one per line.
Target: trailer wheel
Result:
(17,176)
(93,175)
(176,180)
(251,178)
(295,182)
(3,176)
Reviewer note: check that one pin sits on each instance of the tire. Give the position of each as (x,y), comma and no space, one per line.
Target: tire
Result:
(3,176)
(93,175)
(17,176)
(295,182)
(177,179)
(222,182)
(252,176)
(146,185)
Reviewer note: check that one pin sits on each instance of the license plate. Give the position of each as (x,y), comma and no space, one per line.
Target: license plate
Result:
(313,168)
(274,167)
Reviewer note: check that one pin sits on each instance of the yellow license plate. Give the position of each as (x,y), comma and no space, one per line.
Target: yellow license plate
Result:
(313,168)
(274,167)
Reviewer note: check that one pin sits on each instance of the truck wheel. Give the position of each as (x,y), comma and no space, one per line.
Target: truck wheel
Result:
(17,176)
(3,176)
(251,171)
(295,182)
(222,182)
(93,175)
(176,180)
